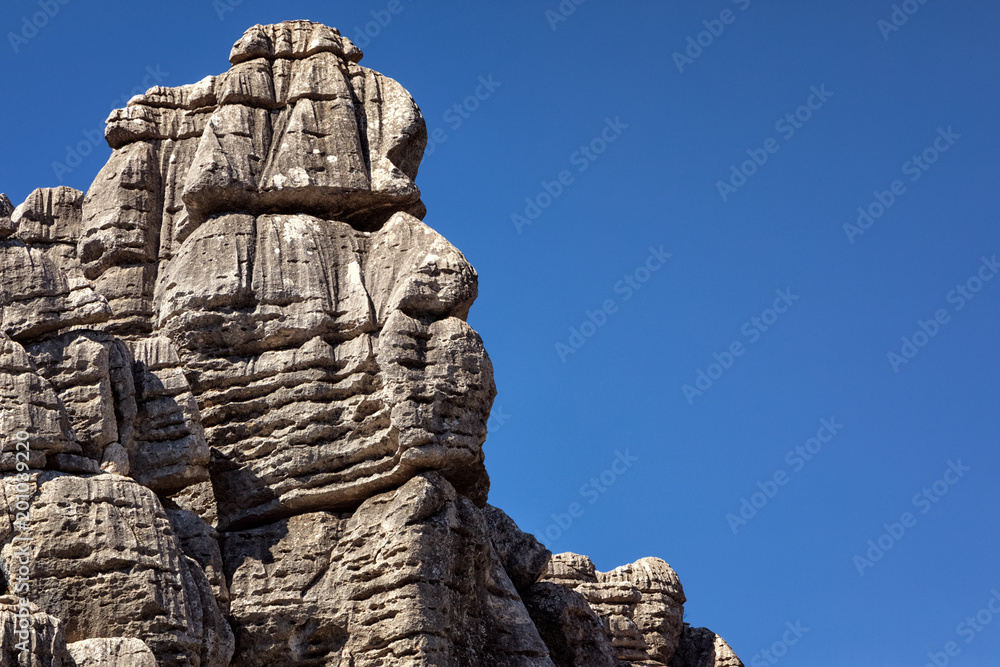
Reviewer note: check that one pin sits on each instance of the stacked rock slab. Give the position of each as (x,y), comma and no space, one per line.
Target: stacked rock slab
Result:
(254,411)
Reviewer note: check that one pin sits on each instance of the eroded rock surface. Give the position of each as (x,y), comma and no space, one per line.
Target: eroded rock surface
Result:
(700,647)
(105,561)
(241,400)
(112,652)
(641,606)
(409,578)
(29,637)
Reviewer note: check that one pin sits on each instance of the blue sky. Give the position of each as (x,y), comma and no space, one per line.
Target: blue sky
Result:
(742,158)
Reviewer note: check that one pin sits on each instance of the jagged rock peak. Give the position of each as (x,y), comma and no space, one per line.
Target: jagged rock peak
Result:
(7,226)
(255,411)
(292,39)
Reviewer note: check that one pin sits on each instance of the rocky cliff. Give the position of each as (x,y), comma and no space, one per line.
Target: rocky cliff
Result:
(243,413)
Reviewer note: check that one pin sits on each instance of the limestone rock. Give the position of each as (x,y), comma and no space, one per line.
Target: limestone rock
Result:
(112,652)
(350,369)
(106,562)
(29,403)
(255,413)
(641,605)
(120,237)
(409,578)
(700,647)
(339,335)
(572,630)
(7,226)
(295,126)
(29,637)
(200,542)
(49,216)
(523,557)
(37,297)
(170,451)
(92,375)
(292,39)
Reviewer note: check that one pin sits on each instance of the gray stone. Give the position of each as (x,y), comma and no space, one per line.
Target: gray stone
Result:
(105,561)
(523,557)
(112,652)
(700,647)
(255,412)
(409,578)
(641,605)
(40,644)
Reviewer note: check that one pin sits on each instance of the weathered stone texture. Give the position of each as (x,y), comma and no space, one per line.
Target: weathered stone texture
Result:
(409,578)
(700,647)
(641,605)
(254,409)
(105,561)
(44,640)
(112,652)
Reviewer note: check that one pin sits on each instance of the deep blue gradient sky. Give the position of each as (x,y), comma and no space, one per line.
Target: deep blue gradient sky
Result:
(561,420)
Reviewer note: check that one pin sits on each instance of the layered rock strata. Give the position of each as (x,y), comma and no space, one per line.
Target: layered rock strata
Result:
(243,413)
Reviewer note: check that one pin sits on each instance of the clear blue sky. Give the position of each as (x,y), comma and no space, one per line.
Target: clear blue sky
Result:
(880,97)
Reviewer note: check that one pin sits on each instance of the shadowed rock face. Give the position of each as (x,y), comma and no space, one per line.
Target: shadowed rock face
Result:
(255,411)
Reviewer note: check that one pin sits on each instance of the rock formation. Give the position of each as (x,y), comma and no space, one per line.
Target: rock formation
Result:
(243,413)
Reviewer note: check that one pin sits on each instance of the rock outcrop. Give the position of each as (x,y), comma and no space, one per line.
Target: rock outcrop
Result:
(243,413)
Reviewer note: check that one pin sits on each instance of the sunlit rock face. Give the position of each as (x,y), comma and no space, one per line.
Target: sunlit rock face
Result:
(250,413)
(256,233)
